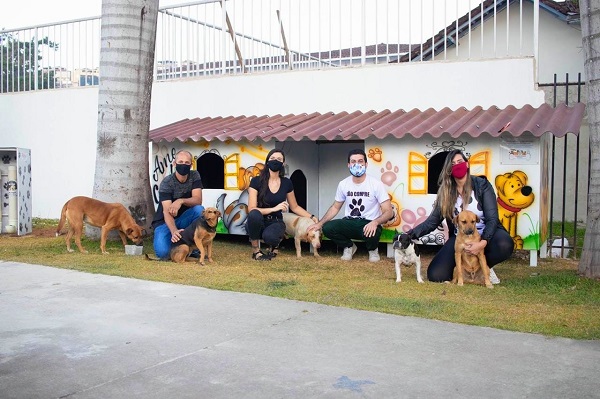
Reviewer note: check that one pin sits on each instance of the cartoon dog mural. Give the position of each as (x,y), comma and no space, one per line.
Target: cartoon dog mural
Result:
(246,174)
(514,195)
(235,214)
(395,220)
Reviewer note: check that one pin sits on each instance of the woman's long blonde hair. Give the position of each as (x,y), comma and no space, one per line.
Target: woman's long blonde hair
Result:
(447,191)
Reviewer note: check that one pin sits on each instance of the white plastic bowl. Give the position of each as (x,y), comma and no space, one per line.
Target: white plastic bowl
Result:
(133,249)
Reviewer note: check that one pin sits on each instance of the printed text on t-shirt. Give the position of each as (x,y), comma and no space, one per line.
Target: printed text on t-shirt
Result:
(358,194)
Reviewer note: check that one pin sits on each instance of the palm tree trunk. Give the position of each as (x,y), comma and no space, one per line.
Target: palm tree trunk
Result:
(128,36)
(589,265)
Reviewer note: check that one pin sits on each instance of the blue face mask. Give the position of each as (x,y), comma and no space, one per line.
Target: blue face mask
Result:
(357,169)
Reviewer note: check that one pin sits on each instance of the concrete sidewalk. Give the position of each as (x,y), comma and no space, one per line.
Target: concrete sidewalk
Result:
(77,335)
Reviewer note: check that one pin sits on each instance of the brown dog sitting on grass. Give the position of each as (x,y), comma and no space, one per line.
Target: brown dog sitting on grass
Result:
(200,234)
(107,216)
(469,267)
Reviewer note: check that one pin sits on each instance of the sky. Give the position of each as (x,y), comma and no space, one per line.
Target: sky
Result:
(25,13)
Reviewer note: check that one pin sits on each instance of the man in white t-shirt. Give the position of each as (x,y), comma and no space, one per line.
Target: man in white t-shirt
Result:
(366,207)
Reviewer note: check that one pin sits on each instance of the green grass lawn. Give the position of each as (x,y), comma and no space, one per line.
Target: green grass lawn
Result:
(549,299)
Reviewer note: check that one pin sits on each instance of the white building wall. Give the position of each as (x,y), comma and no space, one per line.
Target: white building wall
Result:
(59,126)
(560,50)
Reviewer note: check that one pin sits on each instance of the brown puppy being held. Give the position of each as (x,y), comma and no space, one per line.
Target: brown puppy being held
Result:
(469,267)
(200,234)
(107,216)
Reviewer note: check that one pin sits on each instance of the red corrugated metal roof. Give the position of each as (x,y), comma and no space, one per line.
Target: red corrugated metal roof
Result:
(359,126)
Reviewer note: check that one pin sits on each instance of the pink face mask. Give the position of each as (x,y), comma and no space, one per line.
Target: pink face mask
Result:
(460,170)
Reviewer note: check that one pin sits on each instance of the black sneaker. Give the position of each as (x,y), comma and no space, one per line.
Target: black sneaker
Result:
(195,253)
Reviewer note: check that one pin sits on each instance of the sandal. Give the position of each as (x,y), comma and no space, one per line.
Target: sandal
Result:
(260,255)
(272,254)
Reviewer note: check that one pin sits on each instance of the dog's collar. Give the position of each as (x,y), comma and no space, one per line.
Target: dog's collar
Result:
(208,227)
(508,207)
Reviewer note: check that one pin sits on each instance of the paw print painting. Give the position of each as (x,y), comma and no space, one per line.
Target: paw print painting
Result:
(389,174)
(412,219)
(375,154)
(356,207)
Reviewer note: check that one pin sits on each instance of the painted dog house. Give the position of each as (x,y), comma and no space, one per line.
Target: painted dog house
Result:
(405,150)
(15,191)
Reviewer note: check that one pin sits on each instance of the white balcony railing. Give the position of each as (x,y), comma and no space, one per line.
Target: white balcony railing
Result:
(250,36)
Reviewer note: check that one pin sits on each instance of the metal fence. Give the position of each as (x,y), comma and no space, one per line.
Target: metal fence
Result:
(211,37)
(568,174)
(50,56)
(569,171)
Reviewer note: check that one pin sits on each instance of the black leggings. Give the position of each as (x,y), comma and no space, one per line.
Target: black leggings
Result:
(499,248)
(272,231)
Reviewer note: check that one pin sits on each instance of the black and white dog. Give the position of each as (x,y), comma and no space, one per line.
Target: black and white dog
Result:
(406,253)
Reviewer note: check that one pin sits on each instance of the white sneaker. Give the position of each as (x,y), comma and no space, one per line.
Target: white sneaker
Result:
(493,278)
(348,252)
(374,256)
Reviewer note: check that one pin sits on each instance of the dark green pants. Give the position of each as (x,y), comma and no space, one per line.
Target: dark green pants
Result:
(343,231)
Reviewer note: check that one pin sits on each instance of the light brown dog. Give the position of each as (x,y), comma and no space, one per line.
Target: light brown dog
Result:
(107,216)
(469,267)
(296,226)
(200,234)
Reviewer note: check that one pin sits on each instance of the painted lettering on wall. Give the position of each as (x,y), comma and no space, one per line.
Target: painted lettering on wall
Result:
(515,153)
(163,166)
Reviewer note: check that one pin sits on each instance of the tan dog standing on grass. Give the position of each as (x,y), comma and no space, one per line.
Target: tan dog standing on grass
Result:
(107,216)
(468,266)
(296,226)
(200,234)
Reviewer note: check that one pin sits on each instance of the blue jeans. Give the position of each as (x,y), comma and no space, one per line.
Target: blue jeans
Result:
(162,234)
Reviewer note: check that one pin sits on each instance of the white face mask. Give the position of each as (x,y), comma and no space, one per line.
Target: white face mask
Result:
(357,169)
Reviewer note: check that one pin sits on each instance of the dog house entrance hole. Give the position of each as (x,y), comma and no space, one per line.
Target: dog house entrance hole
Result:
(299,181)
(212,170)
(436,163)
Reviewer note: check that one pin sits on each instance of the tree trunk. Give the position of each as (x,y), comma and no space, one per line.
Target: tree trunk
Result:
(589,265)
(128,36)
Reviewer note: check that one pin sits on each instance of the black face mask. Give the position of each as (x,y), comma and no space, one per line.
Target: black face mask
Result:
(275,165)
(183,169)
